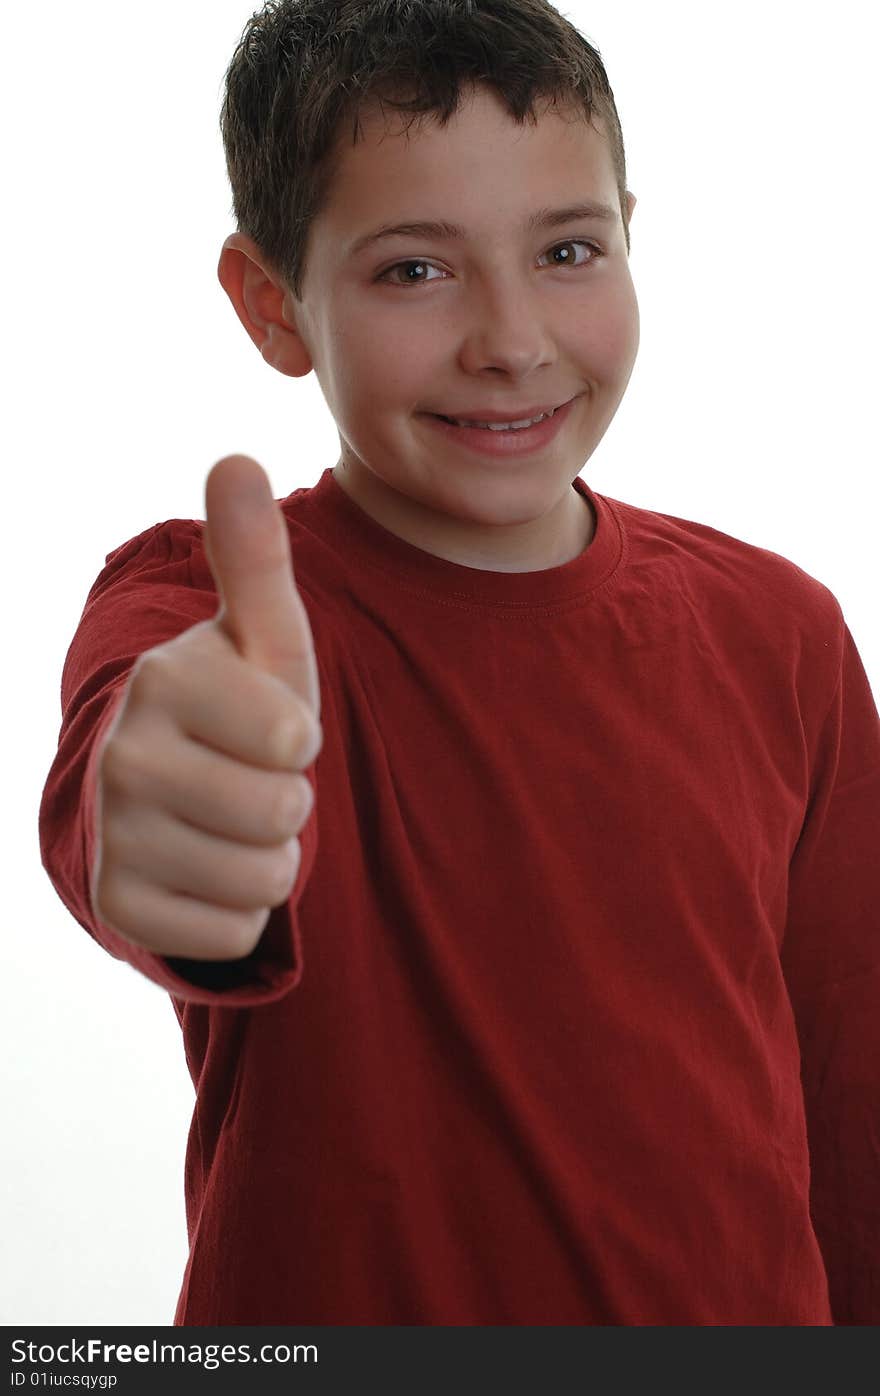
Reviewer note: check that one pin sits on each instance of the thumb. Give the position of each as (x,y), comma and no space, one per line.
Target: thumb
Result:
(248,549)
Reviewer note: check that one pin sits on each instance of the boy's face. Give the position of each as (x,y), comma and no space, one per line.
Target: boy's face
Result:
(503,319)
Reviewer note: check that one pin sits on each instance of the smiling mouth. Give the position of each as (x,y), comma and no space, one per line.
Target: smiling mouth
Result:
(513,424)
(521,425)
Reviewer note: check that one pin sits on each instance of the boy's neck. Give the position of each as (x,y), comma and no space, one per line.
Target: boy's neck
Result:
(552,541)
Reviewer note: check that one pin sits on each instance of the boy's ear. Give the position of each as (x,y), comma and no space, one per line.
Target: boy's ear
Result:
(263,305)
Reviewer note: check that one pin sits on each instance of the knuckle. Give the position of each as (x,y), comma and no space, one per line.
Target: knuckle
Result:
(296,738)
(149,677)
(111,764)
(305,796)
(283,813)
(245,932)
(121,765)
(318,742)
(286,738)
(110,902)
(284,871)
(284,816)
(293,806)
(117,843)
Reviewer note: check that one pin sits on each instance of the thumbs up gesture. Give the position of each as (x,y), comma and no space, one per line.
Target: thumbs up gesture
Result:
(201,791)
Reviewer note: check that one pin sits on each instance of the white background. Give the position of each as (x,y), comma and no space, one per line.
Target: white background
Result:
(751,135)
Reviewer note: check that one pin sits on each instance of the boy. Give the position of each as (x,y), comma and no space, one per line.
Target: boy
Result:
(513,867)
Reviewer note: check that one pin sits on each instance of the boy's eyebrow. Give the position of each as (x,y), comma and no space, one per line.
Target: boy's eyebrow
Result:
(542,218)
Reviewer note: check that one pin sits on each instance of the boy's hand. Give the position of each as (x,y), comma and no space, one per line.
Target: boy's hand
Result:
(200,795)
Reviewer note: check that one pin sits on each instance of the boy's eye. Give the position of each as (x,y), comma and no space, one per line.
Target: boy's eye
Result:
(570,260)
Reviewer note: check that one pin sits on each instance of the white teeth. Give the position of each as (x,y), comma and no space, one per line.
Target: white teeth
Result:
(503,426)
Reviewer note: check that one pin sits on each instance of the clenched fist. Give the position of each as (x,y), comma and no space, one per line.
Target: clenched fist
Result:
(201,794)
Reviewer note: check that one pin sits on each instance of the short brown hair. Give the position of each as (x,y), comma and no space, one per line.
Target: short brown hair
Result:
(303,69)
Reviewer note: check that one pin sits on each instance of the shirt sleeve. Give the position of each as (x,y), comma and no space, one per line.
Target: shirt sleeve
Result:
(152,588)
(831,960)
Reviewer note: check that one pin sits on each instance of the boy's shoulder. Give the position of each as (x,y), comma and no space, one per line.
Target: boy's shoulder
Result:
(757,579)
(172,553)
(166,552)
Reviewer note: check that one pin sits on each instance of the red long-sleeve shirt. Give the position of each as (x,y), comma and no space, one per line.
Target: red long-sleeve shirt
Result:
(573,1015)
